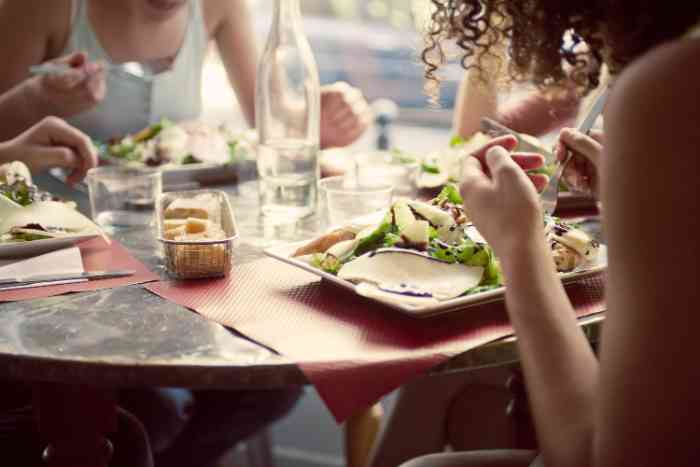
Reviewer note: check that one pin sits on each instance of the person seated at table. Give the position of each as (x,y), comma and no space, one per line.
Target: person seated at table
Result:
(54,143)
(638,404)
(170,37)
(186,427)
(534,113)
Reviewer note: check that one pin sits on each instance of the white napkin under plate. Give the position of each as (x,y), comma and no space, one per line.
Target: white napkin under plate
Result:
(64,261)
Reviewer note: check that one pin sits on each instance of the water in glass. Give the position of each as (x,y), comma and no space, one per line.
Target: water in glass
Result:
(287,113)
(288,172)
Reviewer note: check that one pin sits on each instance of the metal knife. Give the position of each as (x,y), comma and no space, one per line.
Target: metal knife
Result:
(90,275)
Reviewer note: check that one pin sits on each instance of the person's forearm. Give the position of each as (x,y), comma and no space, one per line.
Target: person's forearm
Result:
(235,39)
(21,107)
(476,99)
(535,114)
(560,368)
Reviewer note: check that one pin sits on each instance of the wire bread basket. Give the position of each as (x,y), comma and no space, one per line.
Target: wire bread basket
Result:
(198,259)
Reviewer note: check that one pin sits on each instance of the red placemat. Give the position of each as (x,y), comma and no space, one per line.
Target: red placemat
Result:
(97,256)
(354,351)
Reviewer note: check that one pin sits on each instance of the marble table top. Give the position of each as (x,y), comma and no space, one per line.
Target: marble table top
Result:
(129,337)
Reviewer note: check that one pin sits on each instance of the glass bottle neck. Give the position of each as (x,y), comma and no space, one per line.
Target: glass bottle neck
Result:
(287,16)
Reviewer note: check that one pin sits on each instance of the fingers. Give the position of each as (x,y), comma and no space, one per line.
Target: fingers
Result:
(473,178)
(596,135)
(539,180)
(345,114)
(500,163)
(582,144)
(83,77)
(72,77)
(66,80)
(560,152)
(341,102)
(58,156)
(506,142)
(505,171)
(74,60)
(528,160)
(84,155)
(96,83)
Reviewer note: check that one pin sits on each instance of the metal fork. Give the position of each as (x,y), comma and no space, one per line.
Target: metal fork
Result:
(550,195)
(131,68)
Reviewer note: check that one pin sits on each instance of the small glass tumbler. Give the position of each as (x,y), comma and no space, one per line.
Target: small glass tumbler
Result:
(389,167)
(122,196)
(348,198)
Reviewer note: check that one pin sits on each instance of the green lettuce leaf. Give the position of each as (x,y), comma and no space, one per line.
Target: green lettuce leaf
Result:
(327,263)
(375,239)
(402,157)
(449,193)
(457,141)
(430,168)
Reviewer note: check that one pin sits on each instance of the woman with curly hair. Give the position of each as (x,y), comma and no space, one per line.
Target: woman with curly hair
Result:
(639,403)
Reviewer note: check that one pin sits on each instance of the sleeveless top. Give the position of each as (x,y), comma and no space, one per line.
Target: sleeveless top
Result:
(132,103)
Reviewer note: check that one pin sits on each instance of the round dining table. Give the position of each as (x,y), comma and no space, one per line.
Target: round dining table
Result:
(77,350)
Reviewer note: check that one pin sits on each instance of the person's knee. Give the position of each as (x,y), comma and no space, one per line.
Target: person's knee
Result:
(265,406)
(164,412)
(430,460)
(484,458)
(281,402)
(131,445)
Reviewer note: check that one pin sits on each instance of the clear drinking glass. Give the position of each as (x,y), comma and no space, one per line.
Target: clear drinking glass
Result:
(123,197)
(348,198)
(388,167)
(287,111)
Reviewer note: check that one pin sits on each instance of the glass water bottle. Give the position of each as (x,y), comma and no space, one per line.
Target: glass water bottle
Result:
(287,115)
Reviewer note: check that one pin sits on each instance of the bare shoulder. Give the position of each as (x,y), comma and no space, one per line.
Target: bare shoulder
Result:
(24,13)
(665,80)
(218,12)
(650,186)
(656,101)
(52,26)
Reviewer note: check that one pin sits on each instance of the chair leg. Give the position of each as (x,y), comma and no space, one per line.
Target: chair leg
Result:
(259,450)
(361,433)
(75,421)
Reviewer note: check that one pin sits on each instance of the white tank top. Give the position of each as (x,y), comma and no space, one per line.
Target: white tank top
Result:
(132,103)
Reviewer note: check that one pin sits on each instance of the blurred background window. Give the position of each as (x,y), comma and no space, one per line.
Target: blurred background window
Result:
(372,44)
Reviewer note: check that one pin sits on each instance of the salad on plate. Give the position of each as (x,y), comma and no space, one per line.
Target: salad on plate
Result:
(28,213)
(168,144)
(420,252)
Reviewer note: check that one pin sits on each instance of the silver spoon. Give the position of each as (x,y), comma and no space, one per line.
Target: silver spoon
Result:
(131,68)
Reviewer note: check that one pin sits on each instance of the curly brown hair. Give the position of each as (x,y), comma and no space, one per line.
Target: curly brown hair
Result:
(544,37)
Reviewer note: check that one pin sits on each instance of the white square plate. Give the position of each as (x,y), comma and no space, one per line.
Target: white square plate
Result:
(39,247)
(284,252)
